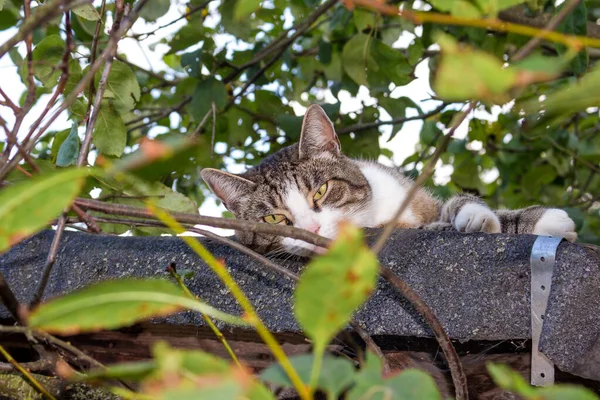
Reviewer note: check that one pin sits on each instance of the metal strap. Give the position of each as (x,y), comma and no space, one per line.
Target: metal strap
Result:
(542,260)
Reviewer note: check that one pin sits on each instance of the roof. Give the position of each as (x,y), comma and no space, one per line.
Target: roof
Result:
(477,284)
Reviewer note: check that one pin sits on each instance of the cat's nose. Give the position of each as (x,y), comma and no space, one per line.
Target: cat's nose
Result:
(313,228)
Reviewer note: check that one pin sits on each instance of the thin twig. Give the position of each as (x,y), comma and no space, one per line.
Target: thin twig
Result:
(94,47)
(33,366)
(456,370)
(8,298)
(91,123)
(237,224)
(283,41)
(28,377)
(425,174)
(191,11)
(204,119)
(532,44)
(173,272)
(50,260)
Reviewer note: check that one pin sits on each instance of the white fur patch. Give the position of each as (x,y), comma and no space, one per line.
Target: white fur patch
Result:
(305,217)
(474,217)
(388,194)
(555,222)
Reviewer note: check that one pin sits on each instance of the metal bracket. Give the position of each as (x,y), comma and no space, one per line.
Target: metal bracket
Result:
(542,260)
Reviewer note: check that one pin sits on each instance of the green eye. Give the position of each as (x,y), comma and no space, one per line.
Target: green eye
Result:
(321,192)
(274,218)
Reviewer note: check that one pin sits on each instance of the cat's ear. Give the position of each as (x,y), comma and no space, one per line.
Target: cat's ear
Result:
(318,134)
(227,187)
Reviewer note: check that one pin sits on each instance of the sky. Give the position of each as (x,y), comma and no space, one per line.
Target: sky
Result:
(402,145)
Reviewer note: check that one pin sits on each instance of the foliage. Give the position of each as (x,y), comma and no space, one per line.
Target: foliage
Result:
(231,55)
(231,77)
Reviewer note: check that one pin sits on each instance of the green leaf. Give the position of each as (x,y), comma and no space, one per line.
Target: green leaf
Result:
(207,91)
(356,58)
(69,149)
(370,62)
(536,177)
(363,19)
(196,375)
(30,205)
(110,133)
(492,7)
(467,74)
(243,8)
(410,384)
(571,98)
(2,2)
(336,373)
(57,141)
(47,56)
(10,14)
(334,285)
(154,9)
(134,371)
(89,12)
(122,87)
(115,304)
(458,8)
(430,133)
(510,380)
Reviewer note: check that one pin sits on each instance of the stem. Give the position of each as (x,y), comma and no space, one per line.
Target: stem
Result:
(212,326)
(316,368)
(528,48)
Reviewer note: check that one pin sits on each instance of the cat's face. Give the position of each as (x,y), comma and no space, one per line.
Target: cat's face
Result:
(309,185)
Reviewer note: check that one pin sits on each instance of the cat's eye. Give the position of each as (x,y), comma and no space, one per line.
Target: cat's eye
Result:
(274,218)
(321,192)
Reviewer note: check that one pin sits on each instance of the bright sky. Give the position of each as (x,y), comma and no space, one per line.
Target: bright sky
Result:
(402,145)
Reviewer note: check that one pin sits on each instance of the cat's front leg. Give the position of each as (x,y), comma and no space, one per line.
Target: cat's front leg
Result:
(539,221)
(468,213)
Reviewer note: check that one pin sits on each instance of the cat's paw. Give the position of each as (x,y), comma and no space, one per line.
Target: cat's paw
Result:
(475,217)
(437,226)
(556,222)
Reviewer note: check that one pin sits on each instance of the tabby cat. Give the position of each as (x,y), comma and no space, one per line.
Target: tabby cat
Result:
(312,185)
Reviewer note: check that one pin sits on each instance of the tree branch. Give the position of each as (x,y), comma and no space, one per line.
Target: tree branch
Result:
(554,22)
(43,14)
(362,127)
(519,15)
(111,45)
(195,219)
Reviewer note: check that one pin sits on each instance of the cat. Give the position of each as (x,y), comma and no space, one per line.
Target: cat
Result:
(312,185)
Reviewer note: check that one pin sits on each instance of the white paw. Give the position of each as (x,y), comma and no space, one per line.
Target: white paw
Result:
(474,217)
(555,222)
